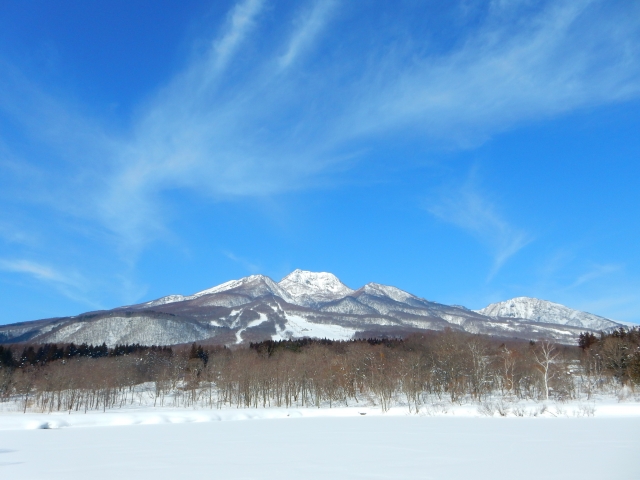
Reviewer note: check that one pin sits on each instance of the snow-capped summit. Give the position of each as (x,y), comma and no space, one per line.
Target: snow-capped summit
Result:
(303,304)
(312,288)
(546,312)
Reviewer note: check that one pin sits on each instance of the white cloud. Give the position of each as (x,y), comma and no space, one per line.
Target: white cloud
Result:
(241,18)
(467,208)
(36,270)
(262,129)
(246,264)
(310,26)
(596,272)
(514,69)
(12,234)
(70,284)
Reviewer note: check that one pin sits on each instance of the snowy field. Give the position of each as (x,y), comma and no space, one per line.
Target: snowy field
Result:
(452,443)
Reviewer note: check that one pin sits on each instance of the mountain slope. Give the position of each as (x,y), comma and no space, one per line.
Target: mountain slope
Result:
(546,312)
(248,287)
(302,304)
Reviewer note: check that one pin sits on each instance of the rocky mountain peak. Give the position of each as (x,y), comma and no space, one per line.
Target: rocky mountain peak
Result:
(311,288)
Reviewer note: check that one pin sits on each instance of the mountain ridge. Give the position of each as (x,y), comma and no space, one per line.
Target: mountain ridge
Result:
(546,312)
(303,303)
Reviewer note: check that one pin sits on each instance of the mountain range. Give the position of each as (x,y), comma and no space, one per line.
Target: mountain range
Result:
(302,304)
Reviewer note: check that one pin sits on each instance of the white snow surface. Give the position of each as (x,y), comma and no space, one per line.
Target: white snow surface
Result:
(311,288)
(546,312)
(253,323)
(299,327)
(311,443)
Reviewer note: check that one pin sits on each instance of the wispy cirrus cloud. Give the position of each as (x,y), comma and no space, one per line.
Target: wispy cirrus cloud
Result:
(603,289)
(38,271)
(518,66)
(230,126)
(241,19)
(248,265)
(267,130)
(469,209)
(71,284)
(263,130)
(309,26)
(596,272)
(12,234)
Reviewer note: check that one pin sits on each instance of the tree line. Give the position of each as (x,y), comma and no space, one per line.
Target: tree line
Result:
(416,371)
(49,352)
(616,354)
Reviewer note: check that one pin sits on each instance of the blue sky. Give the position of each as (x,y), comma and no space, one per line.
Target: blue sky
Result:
(467,152)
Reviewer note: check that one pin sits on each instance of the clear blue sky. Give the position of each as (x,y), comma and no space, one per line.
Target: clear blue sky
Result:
(467,152)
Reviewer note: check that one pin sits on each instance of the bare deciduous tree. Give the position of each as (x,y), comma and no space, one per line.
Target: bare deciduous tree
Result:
(545,356)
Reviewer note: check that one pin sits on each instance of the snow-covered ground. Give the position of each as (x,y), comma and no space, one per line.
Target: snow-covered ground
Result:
(12,417)
(299,327)
(586,440)
(329,447)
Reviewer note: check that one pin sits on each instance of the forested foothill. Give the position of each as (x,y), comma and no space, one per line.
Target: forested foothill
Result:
(416,372)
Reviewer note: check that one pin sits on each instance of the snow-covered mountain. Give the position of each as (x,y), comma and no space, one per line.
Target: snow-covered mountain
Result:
(302,304)
(310,289)
(547,312)
(249,287)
